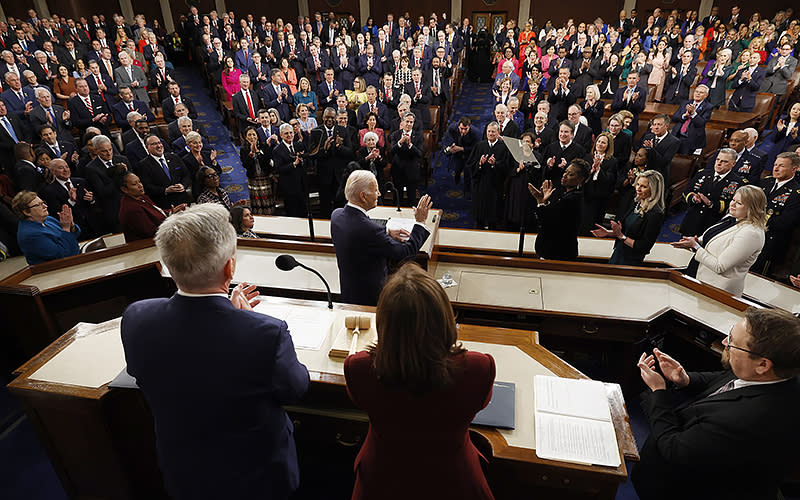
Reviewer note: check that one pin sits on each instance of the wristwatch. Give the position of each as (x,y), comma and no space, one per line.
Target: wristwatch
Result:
(623,238)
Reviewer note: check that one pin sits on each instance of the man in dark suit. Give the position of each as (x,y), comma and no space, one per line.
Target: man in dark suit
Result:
(373,106)
(632,97)
(708,21)
(779,70)
(57,147)
(27,175)
(438,77)
(370,67)
(243,437)
(47,113)
(86,109)
(679,79)
(709,194)
(135,148)
(216,60)
(783,208)
(738,423)
(560,62)
(690,121)
(406,152)
(420,94)
(317,64)
(167,181)
(559,154)
(174,97)
(160,77)
(458,142)
(363,247)
(17,98)
(328,90)
(128,104)
(336,152)
(562,95)
(246,104)
(582,134)
(73,191)
(100,83)
(275,95)
(508,128)
(746,84)
(288,158)
(661,146)
(101,183)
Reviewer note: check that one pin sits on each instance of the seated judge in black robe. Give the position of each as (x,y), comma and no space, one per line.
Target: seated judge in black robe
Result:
(559,213)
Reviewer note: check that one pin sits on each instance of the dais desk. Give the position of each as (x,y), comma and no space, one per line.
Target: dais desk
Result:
(101,441)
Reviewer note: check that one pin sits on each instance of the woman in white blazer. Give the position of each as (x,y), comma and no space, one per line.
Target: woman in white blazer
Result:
(726,250)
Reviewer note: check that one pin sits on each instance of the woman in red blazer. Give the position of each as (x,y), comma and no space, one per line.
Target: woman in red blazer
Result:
(138,215)
(421,390)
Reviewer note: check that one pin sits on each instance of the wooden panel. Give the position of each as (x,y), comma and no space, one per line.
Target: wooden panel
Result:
(150,9)
(379,8)
(273,10)
(69,8)
(341,8)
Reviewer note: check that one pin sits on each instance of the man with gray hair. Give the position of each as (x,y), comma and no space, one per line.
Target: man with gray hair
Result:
(364,247)
(47,113)
(289,163)
(690,121)
(758,156)
(45,71)
(709,194)
(100,177)
(230,437)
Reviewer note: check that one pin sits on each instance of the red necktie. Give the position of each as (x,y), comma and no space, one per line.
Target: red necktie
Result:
(130,106)
(249,105)
(88,102)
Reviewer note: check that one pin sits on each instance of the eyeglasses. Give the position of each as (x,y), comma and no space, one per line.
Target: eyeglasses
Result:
(211,176)
(41,203)
(727,343)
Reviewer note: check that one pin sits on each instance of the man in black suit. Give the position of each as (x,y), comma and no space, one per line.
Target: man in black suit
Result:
(128,104)
(86,109)
(101,184)
(708,21)
(582,134)
(135,148)
(161,77)
(336,152)
(420,94)
(246,104)
(406,153)
(562,95)
(690,121)
(100,83)
(27,175)
(58,148)
(542,134)
(738,424)
(166,179)
(11,132)
(458,142)
(47,113)
(661,146)
(363,247)
(746,84)
(490,163)
(438,77)
(508,128)
(73,191)
(174,98)
(216,60)
(632,97)
(343,120)
(288,158)
(709,194)
(373,106)
(679,79)
(559,154)
(317,64)
(275,95)
(783,207)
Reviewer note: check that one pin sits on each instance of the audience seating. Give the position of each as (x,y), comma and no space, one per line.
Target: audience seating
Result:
(681,171)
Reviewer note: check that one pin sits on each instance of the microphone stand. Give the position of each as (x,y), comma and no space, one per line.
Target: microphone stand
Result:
(390,187)
(328,288)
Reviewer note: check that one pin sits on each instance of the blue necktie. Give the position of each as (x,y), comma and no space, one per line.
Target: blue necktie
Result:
(10,129)
(56,150)
(52,115)
(165,167)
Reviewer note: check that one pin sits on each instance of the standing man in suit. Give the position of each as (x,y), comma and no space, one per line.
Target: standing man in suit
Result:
(779,69)
(317,64)
(582,134)
(166,179)
(87,109)
(438,76)
(160,77)
(135,148)
(100,83)
(73,191)
(420,94)
(738,423)
(252,456)
(336,152)
(406,153)
(128,75)
(275,95)
(288,160)
(373,106)
(47,113)
(783,211)
(246,104)
(363,247)
(19,101)
(690,121)
(632,97)
(562,95)
(174,97)
(101,183)
(661,146)
(679,79)
(58,148)
(127,104)
(559,154)
(709,194)
(746,84)
(459,141)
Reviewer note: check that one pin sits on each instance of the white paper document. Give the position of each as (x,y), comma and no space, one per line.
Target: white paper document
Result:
(308,326)
(573,421)
(398,223)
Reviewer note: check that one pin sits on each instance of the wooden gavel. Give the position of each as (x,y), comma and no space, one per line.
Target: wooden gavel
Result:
(356,323)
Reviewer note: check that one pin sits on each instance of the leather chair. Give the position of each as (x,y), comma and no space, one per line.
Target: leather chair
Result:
(681,171)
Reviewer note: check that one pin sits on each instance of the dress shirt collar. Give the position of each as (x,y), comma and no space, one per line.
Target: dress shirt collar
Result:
(661,138)
(779,184)
(195,295)
(739,383)
(357,208)
(64,183)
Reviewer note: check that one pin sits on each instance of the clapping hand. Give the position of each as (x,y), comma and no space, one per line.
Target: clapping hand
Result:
(795,280)
(422,208)
(491,160)
(543,194)
(651,378)
(686,242)
(244,296)
(551,161)
(65,218)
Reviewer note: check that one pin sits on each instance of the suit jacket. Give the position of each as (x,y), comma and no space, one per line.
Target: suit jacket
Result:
(39,117)
(659,157)
(419,105)
(81,116)
(559,223)
(453,469)
(241,111)
(363,249)
(317,74)
(777,81)
(136,152)
(104,190)
(168,108)
(554,149)
(56,196)
(42,75)
(251,450)
(122,80)
(700,217)
(327,99)
(111,88)
(635,106)
(331,163)
(381,110)
(270,98)
(155,180)
(372,75)
(16,106)
(159,81)
(67,147)
(120,112)
(692,443)
(677,86)
(695,136)
(744,94)
(28,177)
(560,102)
(7,143)
(291,178)
(406,159)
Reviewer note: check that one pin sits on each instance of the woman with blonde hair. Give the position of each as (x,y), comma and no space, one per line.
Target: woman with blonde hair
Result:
(600,184)
(593,108)
(726,251)
(358,95)
(639,229)
(307,123)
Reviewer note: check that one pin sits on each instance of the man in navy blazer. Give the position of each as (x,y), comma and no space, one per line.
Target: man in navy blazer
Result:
(690,121)
(746,84)
(221,432)
(364,247)
(375,106)
(631,97)
(127,104)
(277,95)
(17,97)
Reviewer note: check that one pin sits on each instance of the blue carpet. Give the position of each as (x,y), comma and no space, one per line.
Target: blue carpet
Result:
(234,177)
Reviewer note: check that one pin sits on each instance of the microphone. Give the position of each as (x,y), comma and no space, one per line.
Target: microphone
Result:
(287,263)
(389,186)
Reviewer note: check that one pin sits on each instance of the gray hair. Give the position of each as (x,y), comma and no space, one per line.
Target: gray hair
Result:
(405,98)
(359,181)
(728,151)
(39,53)
(285,126)
(41,90)
(704,87)
(184,119)
(132,116)
(753,133)
(370,135)
(196,244)
(193,136)
(100,140)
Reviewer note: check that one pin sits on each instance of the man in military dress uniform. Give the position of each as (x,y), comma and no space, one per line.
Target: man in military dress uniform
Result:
(709,193)
(748,166)
(783,210)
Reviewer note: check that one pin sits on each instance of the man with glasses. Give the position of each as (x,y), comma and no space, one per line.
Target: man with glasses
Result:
(779,69)
(734,434)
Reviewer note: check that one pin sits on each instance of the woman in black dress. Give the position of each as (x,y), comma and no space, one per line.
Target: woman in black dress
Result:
(600,184)
(626,180)
(639,229)
(622,140)
(559,213)
(519,199)
(593,108)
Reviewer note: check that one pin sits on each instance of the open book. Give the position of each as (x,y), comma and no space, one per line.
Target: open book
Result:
(573,422)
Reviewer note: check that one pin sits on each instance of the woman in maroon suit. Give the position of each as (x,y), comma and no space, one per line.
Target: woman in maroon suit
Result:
(138,215)
(421,390)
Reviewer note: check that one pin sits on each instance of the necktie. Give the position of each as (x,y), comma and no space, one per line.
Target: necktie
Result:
(21,96)
(330,133)
(656,141)
(68,185)
(130,74)
(9,129)
(88,103)
(130,106)
(291,149)
(57,151)
(717,177)
(177,100)
(110,71)
(372,108)
(165,167)
(249,105)
(725,388)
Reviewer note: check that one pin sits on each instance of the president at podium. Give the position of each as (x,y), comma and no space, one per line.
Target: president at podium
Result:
(364,247)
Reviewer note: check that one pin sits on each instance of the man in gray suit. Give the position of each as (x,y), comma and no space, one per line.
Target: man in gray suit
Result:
(128,75)
(779,69)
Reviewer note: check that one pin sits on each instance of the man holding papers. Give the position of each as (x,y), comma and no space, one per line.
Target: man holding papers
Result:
(214,372)
(734,435)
